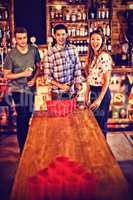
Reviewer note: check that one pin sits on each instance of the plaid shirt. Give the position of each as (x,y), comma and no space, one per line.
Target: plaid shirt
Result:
(62,65)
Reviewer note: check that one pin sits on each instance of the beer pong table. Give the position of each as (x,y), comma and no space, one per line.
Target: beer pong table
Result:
(78,137)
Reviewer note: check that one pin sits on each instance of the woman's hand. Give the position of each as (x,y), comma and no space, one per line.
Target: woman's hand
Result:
(86,99)
(95,104)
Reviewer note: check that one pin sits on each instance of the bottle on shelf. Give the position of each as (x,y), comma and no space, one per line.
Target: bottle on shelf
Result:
(73,16)
(52,13)
(1,33)
(79,15)
(67,15)
(103,11)
(92,11)
(0,14)
(108,44)
(84,15)
(108,31)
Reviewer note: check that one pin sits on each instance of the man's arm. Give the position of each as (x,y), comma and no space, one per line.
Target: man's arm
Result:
(33,80)
(62,86)
(10,76)
(37,70)
(77,72)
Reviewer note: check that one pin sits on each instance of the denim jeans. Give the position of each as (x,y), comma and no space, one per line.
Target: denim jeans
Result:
(101,113)
(24,105)
(60,96)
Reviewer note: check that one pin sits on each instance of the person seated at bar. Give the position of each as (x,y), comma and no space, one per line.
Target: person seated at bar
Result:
(62,66)
(21,69)
(98,66)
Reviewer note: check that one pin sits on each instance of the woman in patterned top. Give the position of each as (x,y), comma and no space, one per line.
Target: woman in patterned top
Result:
(98,65)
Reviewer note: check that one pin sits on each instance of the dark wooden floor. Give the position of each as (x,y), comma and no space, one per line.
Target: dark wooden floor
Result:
(121,144)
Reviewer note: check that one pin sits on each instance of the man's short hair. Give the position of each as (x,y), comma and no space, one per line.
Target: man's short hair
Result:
(20,30)
(59,27)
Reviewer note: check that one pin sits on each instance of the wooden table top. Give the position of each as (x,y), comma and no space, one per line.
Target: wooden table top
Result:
(79,137)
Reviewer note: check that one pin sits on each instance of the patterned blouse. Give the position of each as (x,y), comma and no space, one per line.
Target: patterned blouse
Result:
(103,64)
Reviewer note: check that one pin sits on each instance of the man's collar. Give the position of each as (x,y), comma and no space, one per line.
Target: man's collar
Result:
(60,48)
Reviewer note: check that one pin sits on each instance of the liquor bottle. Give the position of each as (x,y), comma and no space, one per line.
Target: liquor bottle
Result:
(107,13)
(84,16)
(79,15)
(104,29)
(92,11)
(52,13)
(99,12)
(108,31)
(82,30)
(5,14)
(91,27)
(78,31)
(73,16)
(61,15)
(103,8)
(86,31)
(0,14)
(73,32)
(69,31)
(0,33)
(81,47)
(108,43)
(67,15)
(78,46)
(56,15)
(85,47)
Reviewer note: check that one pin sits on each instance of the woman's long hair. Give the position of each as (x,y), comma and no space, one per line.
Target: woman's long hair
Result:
(90,55)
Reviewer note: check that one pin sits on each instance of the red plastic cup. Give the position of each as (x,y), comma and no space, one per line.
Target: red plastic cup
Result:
(73,164)
(36,188)
(71,188)
(52,169)
(88,186)
(78,170)
(43,173)
(61,159)
(54,188)
(62,167)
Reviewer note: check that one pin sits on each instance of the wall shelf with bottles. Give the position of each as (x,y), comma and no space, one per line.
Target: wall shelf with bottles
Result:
(73,13)
(4,23)
(6,27)
(99,15)
(81,17)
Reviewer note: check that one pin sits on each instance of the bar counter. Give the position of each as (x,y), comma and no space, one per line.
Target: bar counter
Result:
(77,136)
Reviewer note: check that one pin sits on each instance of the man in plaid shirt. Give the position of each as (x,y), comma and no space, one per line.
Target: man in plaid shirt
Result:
(62,66)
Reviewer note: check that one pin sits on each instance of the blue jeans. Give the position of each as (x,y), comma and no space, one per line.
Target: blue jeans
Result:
(60,96)
(101,113)
(24,105)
